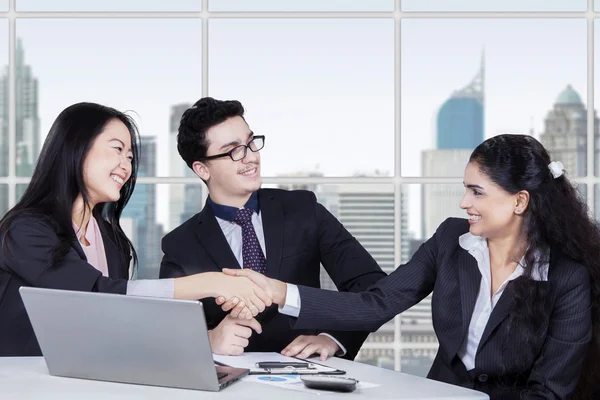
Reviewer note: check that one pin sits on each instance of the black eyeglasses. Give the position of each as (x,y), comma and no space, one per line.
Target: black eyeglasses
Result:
(239,152)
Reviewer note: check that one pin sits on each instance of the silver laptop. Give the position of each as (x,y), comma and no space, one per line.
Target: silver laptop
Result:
(109,337)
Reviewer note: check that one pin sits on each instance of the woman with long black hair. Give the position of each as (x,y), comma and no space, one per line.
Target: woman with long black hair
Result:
(65,233)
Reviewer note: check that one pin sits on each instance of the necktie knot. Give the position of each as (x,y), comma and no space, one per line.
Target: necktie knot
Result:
(243,216)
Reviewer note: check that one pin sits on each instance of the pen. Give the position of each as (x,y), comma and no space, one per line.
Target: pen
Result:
(284,364)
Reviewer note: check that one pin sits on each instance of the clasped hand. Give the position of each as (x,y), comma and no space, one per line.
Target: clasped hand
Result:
(245,297)
(238,305)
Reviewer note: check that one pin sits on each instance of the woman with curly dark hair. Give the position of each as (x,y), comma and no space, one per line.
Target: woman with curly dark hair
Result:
(516,285)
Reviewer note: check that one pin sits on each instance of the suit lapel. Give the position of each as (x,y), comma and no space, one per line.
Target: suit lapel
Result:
(211,237)
(470,279)
(499,313)
(78,248)
(273,225)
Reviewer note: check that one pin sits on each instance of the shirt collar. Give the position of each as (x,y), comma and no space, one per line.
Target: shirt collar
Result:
(228,213)
(471,243)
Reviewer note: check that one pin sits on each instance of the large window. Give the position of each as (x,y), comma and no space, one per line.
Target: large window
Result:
(375,105)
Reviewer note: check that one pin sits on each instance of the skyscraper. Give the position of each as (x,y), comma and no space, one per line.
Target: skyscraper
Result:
(184,200)
(565,132)
(459,131)
(141,210)
(460,118)
(177,167)
(27,122)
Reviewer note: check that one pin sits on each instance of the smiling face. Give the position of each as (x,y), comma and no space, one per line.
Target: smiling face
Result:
(107,165)
(493,212)
(230,182)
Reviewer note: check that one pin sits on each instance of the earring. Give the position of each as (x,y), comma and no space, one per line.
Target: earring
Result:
(518,210)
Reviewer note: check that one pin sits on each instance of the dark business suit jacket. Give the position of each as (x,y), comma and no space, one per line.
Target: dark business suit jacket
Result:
(25,260)
(554,359)
(300,234)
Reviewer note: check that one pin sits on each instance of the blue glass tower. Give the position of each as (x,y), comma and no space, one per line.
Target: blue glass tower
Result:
(460,118)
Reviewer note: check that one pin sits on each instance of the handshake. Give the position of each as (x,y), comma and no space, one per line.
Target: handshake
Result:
(246,293)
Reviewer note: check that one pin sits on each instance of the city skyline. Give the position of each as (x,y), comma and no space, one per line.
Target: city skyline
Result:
(167,138)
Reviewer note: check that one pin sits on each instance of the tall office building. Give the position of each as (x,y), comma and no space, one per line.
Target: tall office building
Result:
(177,167)
(185,200)
(440,201)
(565,132)
(459,130)
(141,210)
(460,119)
(27,123)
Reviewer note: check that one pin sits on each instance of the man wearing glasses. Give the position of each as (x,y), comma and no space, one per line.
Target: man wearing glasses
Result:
(283,234)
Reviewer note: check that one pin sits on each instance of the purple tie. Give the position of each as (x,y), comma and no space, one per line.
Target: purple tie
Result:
(251,251)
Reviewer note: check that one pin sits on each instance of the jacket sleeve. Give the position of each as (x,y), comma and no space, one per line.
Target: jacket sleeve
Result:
(368,310)
(27,249)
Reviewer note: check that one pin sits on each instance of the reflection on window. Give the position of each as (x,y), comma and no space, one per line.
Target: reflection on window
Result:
(320,90)
(494,5)
(109,5)
(536,86)
(301,5)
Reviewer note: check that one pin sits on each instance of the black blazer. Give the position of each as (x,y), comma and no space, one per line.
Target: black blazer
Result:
(300,234)
(25,257)
(442,266)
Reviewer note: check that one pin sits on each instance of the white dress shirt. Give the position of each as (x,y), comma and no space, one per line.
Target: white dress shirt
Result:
(233,235)
(485,303)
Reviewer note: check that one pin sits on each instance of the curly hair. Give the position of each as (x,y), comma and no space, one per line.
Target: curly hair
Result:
(520,162)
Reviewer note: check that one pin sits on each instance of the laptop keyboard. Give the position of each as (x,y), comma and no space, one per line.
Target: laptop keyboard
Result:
(221,375)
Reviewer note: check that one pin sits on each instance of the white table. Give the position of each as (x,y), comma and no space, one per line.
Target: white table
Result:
(28,378)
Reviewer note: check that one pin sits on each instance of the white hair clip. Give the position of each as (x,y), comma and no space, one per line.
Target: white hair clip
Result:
(557,169)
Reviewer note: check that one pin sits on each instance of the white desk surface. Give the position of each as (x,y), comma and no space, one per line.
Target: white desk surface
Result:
(28,378)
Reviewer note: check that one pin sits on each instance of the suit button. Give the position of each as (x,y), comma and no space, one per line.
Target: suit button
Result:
(482,378)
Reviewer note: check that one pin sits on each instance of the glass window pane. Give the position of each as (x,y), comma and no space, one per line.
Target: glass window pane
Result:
(140,224)
(491,5)
(4,98)
(4,5)
(301,5)
(320,90)
(367,212)
(3,199)
(498,76)
(109,5)
(144,65)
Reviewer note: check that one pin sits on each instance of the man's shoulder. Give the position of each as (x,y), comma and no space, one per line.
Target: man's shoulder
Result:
(182,230)
(289,196)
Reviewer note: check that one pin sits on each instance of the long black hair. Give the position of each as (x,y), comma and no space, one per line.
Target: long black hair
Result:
(58,177)
(557,219)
